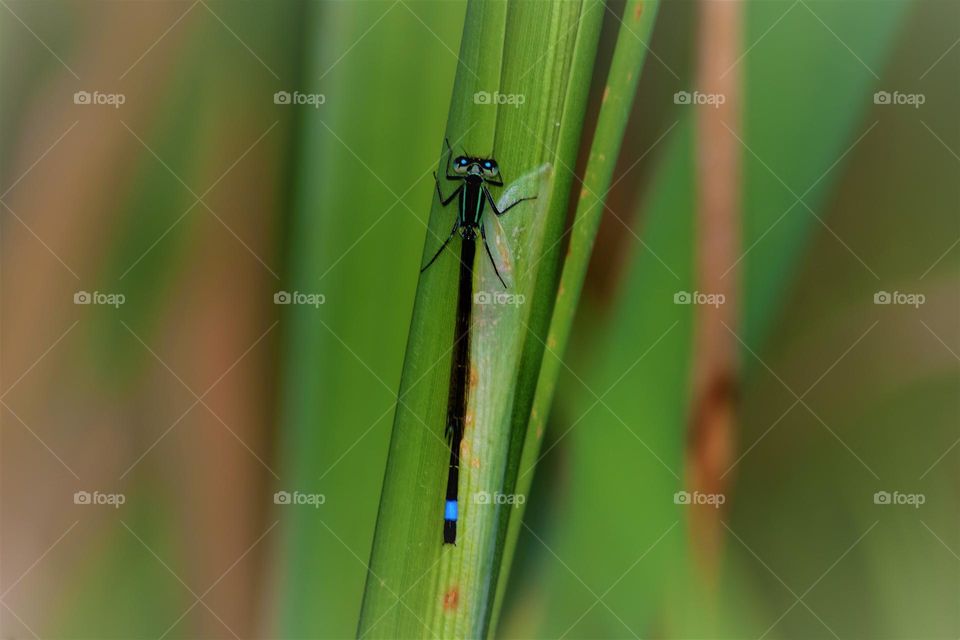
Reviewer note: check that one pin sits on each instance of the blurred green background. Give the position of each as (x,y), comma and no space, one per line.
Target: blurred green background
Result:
(206,193)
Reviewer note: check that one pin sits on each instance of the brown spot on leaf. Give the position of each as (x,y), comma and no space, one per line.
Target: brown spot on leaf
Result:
(451,598)
(638,11)
(606,94)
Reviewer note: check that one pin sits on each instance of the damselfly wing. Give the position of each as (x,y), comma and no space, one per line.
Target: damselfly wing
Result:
(498,247)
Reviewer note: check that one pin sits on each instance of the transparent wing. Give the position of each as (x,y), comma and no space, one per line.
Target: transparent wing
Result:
(498,247)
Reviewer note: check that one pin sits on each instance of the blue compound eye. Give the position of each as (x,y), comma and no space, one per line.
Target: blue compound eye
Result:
(487,165)
(463,162)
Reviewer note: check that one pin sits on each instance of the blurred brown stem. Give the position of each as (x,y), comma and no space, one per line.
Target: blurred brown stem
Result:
(715,380)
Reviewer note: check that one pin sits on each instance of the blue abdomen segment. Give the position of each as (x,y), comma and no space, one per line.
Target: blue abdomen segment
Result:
(450,510)
(450,513)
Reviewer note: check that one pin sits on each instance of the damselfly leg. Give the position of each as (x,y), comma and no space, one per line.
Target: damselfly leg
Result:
(453,232)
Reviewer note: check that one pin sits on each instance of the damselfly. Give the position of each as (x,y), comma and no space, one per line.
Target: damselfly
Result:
(474,174)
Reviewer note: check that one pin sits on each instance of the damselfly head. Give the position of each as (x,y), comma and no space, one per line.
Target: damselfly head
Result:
(487,167)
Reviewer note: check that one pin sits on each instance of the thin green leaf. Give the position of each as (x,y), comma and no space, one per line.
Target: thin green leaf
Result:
(618,97)
(347,231)
(418,586)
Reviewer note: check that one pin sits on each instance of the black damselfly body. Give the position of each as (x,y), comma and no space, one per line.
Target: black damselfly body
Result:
(474,174)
